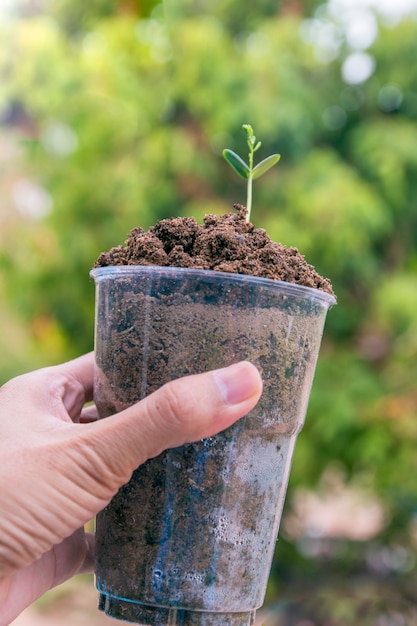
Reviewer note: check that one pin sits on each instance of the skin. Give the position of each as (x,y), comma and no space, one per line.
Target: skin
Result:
(60,465)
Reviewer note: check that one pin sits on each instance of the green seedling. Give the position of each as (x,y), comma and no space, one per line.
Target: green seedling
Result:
(246,170)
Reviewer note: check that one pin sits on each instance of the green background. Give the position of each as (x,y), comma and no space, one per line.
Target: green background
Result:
(114,114)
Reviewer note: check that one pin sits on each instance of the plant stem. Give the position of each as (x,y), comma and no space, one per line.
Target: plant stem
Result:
(251,144)
(249,198)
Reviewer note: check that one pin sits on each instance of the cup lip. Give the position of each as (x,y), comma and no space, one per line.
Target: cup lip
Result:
(290,289)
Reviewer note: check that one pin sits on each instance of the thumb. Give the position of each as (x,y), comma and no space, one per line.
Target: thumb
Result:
(181,411)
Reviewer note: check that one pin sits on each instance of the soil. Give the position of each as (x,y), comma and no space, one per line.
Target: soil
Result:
(193,528)
(226,243)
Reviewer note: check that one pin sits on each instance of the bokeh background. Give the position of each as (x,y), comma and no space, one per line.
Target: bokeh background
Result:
(114,114)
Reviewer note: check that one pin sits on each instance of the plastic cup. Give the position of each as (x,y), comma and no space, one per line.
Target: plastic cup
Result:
(190,539)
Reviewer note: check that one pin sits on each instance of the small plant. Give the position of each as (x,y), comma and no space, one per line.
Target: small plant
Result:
(246,170)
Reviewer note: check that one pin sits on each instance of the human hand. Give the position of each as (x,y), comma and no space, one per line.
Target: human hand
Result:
(57,473)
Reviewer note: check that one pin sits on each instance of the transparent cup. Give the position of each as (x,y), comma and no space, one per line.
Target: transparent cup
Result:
(190,539)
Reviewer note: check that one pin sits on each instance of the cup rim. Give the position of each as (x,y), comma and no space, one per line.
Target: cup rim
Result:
(290,289)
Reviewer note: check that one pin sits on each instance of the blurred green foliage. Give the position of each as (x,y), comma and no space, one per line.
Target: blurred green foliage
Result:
(114,114)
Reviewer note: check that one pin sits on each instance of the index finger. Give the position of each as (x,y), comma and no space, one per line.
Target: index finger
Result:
(81,370)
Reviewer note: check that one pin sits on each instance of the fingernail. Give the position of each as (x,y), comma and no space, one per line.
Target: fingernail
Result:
(237,382)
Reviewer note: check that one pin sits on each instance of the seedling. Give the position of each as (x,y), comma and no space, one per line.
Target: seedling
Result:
(246,170)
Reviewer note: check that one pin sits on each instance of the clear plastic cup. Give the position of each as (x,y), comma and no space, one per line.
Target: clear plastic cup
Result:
(190,539)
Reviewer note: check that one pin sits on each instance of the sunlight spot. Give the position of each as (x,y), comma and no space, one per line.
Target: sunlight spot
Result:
(357,68)
(361,30)
(31,200)
(334,117)
(59,139)
(390,98)
(258,44)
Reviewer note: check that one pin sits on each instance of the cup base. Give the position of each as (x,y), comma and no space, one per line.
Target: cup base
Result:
(161,616)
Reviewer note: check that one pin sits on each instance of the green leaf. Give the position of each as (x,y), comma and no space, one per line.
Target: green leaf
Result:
(248,129)
(236,163)
(265,165)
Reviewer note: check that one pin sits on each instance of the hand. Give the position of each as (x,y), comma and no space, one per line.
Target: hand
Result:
(58,472)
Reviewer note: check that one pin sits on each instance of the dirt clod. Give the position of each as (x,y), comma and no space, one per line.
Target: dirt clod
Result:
(226,243)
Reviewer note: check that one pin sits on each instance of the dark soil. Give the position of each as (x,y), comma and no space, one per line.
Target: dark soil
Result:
(226,243)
